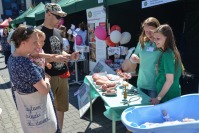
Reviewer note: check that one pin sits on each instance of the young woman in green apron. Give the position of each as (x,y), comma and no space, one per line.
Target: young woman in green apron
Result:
(147,55)
(170,65)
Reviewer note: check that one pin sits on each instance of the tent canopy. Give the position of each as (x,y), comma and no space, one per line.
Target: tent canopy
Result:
(21,18)
(30,18)
(9,19)
(62,3)
(5,23)
(86,4)
(72,6)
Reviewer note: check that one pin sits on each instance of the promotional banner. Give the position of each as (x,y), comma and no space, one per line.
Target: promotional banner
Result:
(149,3)
(96,17)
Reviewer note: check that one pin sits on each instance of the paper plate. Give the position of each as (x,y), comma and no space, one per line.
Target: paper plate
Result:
(109,94)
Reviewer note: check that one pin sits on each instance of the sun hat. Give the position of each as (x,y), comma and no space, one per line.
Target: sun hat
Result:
(55,8)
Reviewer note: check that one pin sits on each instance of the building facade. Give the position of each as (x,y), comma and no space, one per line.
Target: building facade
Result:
(13,8)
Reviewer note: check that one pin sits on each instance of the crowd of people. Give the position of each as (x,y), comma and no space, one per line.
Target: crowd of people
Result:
(38,67)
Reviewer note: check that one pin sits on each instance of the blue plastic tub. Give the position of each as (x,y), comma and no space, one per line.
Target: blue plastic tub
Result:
(186,106)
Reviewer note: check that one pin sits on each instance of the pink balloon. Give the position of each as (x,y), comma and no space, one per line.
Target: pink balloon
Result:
(78,40)
(100,33)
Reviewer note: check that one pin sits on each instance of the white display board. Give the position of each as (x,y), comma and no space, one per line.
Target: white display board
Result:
(96,17)
(83,97)
(149,3)
(101,66)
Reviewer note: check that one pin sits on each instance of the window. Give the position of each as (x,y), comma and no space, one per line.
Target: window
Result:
(11,8)
(35,2)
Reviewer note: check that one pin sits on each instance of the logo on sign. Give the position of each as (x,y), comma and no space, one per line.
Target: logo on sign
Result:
(145,3)
(89,14)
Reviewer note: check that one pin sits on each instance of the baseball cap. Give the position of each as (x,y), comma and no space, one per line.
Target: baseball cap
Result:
(55,8)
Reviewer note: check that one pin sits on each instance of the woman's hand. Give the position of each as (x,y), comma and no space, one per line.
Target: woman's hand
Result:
(43,86)
(154,101)
(47,76)
(135,58)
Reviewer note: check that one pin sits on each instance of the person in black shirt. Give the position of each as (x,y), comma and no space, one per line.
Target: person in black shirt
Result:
(54,45)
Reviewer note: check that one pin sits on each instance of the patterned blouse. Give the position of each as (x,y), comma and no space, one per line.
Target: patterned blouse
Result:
(24,74)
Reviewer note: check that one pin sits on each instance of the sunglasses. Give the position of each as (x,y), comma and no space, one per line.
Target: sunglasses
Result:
(29,30)
(57,16)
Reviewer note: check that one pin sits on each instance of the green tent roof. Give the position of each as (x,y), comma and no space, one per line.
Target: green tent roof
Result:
(86,4)
(30,18)
(21,18)
(62,3)
(72,6)
(113,2)
(66,2)
(83,5)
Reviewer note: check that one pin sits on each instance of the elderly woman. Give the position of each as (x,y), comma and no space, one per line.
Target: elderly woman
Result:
(30,85)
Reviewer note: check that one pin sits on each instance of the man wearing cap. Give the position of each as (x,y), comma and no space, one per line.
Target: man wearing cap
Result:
(54,45)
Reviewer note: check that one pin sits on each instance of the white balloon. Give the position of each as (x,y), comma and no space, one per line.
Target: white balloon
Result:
(125,38)
(115,36)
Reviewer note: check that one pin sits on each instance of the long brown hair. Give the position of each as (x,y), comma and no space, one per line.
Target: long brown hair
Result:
(62,28)
(170,43)
(82,26)
(21,33)
(5,34)
(151,21)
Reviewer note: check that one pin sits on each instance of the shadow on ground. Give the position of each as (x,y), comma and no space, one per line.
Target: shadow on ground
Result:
(3,67)
(6,85)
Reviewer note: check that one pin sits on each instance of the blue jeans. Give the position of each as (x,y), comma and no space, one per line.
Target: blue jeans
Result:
(150,93)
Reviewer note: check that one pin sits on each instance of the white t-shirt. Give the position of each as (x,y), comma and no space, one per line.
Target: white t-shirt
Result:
(65,44)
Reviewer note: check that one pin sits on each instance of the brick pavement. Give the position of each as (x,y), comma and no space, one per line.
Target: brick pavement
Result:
(10,123)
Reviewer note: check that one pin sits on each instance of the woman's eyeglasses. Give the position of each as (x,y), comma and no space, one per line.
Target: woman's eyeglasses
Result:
(29,30)
(57,16)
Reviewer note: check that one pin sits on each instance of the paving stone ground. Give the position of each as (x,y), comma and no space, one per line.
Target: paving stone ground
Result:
(10,123)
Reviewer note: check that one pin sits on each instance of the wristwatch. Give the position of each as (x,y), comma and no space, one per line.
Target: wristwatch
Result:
(159,98)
